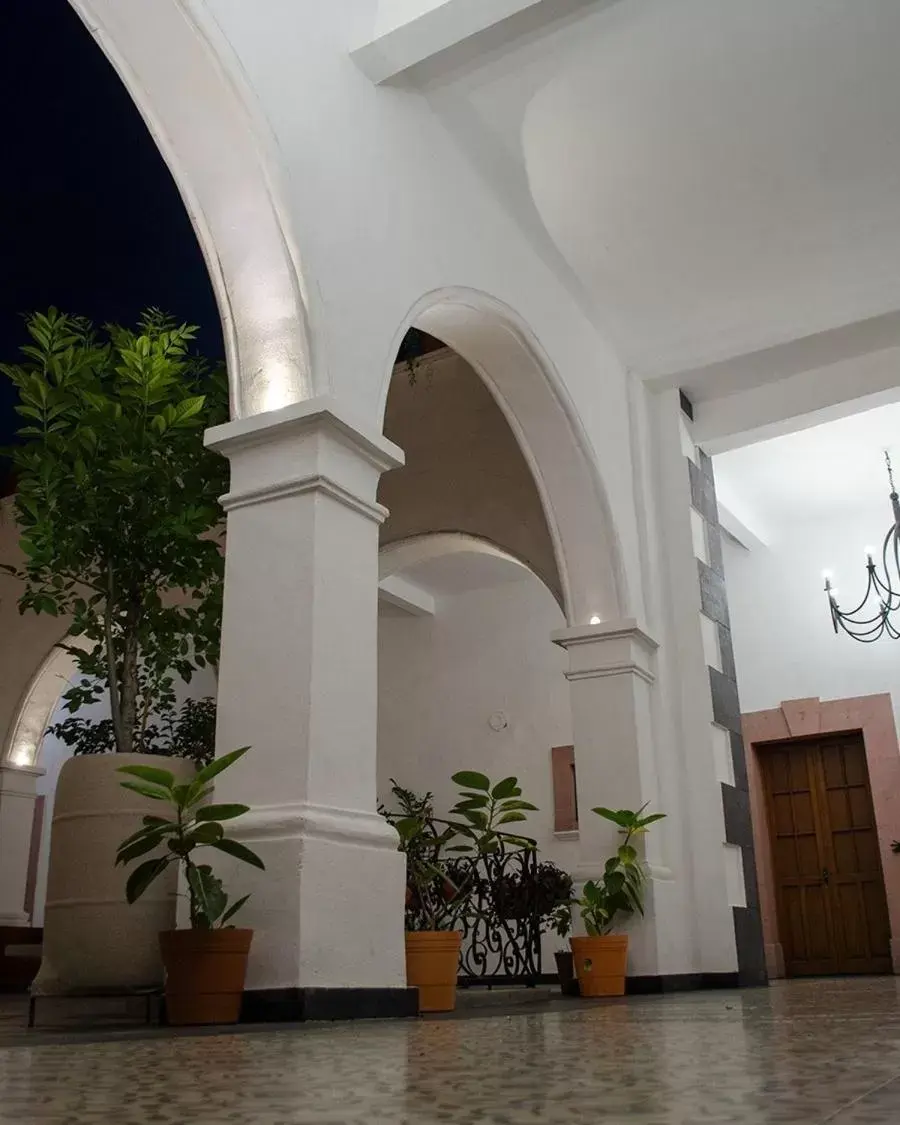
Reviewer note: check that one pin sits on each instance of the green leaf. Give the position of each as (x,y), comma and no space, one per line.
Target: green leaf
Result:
(146,790)
(137,848)
(155,776)
(620,817)
(221,812)
(524,806)
(512,817)
(216,767)
(469,779)
(239,851)
(205,834)
(141,878)
(473,801)
(508,787)
(233,909)
(652,819)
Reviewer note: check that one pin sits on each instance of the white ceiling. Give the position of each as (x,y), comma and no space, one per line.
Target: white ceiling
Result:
(815,474)
(710,177)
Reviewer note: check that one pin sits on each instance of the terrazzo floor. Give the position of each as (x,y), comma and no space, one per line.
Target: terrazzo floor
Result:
(799,1053)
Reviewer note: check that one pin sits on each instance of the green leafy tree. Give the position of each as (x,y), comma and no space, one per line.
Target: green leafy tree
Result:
(117,506)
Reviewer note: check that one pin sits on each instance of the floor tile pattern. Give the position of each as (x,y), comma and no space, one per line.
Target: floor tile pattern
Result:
(803,1053)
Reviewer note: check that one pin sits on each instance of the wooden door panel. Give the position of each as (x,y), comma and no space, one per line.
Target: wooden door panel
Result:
(830,888)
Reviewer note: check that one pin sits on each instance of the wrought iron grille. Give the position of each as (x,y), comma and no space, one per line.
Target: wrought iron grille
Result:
(501,928)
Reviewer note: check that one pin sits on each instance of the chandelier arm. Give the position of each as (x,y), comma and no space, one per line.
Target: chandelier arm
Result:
(853,612)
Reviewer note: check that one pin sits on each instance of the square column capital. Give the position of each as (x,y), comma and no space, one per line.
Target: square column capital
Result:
(311,446)
(609,648)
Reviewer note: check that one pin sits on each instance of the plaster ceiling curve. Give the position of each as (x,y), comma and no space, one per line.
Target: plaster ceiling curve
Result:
(724,176)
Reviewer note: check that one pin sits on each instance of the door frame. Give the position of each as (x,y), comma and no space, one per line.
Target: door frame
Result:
(873,717)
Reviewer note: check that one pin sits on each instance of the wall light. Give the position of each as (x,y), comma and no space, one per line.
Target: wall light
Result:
(595,620)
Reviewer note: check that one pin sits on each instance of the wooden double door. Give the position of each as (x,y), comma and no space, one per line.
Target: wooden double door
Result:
(832,908)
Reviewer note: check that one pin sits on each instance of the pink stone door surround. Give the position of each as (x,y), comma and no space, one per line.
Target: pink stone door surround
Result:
(800,718)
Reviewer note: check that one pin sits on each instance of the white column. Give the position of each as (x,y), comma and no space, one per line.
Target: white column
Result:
(298,682)
(611,674)
(17,796)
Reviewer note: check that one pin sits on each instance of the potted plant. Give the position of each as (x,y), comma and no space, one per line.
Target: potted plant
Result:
(601,956)
(117,506)
(561,924)
(441,874)
(206,965)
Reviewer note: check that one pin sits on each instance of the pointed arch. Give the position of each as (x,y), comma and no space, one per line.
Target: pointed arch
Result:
(502,350)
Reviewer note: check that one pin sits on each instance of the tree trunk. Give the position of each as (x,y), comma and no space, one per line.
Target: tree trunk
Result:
(128,688)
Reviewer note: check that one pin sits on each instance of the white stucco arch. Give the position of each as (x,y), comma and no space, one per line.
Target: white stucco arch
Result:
(396,557)
(190,91)
(497,344)
(26,734)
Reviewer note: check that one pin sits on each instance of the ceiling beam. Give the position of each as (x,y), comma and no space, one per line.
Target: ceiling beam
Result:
(403,594)
(409,32)
(799,401)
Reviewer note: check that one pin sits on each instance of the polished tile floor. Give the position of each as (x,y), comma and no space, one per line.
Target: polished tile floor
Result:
(804,1053)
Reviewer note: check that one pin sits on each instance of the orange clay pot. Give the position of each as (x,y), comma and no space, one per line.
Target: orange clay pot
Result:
(432,965)
(600,964)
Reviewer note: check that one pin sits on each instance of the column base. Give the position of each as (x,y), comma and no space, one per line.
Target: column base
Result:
(328,913)
(19,920)
(295,1005)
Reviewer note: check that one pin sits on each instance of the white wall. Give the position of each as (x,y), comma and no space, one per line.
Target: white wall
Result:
(784,644)
(441,678)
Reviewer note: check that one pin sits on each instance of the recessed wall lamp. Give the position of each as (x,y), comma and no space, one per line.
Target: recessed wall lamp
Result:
(595,620)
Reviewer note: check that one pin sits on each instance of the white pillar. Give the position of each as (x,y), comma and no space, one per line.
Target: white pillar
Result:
(611,674)
(17,797)
(298,682)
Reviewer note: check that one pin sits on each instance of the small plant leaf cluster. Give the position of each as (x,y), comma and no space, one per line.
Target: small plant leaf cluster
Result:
(619,893)
(117,503)
(189,732)
(438,885)
(193,825)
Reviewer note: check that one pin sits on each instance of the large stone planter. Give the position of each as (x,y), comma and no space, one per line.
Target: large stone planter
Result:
(92,938)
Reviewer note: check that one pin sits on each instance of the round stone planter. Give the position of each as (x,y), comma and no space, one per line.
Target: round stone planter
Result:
(92,938)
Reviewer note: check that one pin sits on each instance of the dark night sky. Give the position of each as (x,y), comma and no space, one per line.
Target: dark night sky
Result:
(90,219)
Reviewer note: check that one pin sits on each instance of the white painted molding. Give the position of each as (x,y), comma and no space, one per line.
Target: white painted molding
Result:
(406,595)
(609,648)
(299,420)
(319,822)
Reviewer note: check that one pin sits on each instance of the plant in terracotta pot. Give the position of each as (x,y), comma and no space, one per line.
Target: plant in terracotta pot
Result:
(117,509)
(441,874)
(601,956)
(205,965)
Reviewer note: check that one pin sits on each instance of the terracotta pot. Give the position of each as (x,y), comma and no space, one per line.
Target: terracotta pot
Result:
(432,965)
(205,972)
(600,964)
(92,937)
(565,970)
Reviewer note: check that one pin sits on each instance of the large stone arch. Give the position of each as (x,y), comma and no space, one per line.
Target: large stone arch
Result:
(503,351)
(189,90)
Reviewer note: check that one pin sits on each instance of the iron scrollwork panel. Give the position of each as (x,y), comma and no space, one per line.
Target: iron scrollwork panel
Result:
(501,928)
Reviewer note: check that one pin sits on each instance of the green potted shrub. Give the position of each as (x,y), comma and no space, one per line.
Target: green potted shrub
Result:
(561,925)
(205,965)
(601,957)
(117,508)
(440,872)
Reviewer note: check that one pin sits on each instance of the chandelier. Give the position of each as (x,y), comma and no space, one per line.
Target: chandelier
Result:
(867,623)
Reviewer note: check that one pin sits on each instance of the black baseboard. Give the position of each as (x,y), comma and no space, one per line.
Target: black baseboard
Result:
(679,982)
(293,1005)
